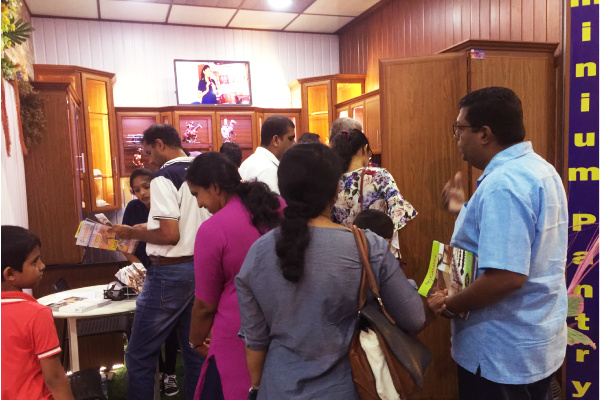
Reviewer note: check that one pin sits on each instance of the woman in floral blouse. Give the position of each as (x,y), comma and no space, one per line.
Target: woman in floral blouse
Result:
(363,187)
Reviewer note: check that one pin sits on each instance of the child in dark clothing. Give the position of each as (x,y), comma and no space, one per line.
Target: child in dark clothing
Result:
(31,367)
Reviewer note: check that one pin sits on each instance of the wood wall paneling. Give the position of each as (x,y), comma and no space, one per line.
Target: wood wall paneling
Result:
(141,56)
(404,28)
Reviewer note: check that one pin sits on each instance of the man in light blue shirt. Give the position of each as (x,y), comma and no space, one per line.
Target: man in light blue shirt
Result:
(516,224)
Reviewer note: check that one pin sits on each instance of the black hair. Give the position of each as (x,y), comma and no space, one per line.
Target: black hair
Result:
(233,152)
(165,132)
(500,109)
(215,168)
(308,180)
(347,143)
(17,245)
(274,125)
(148,173)
(202,75)
(309,137)
(376,221)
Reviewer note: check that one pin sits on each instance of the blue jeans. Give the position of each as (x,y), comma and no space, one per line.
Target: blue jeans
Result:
(165,304)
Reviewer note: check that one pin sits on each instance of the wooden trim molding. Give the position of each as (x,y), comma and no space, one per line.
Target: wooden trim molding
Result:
(501,45)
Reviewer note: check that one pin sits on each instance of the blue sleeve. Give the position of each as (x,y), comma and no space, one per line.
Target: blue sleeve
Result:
(507,231)
(254,329)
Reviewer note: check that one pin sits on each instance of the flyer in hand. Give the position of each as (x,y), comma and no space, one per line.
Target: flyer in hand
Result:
(94,234)
(449,268)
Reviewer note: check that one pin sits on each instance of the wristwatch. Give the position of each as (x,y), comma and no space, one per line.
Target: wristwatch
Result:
(253,389)
(448,314)
(194,346)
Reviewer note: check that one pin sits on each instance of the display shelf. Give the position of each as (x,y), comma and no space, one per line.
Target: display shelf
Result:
(318,95)
(131,127)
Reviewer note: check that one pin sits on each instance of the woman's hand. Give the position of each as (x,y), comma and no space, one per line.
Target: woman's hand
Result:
(203,348)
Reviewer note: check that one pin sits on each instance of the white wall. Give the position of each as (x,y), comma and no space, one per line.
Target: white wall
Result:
(142,56)
(13,194)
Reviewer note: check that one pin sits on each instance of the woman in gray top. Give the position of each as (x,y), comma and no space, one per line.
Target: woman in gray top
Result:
(298,288)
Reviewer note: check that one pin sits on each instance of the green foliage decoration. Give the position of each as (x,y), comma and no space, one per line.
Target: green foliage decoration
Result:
(32,116)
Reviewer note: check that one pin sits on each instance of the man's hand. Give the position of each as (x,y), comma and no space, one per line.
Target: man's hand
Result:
(122,231)
(436,301)
(453,195)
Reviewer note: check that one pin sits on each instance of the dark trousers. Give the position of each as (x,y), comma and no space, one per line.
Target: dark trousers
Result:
(474,387)
(167,366)
(212,389)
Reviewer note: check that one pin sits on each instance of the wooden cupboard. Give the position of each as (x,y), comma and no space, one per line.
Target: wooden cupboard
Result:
(419,104)
(98,152)
(318,96)
(365,109)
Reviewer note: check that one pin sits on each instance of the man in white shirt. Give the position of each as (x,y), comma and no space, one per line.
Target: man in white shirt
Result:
(166,300)
(276,136)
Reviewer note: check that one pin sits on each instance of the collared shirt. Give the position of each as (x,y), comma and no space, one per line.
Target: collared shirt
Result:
(28,335)
(262,166)
(171,199)
(516,221)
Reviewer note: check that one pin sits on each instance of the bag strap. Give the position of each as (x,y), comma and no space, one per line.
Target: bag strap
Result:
(367,273)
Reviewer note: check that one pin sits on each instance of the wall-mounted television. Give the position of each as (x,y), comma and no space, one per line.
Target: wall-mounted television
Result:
(213,82)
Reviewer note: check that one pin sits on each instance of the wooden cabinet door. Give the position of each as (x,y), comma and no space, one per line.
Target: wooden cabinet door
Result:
(130,129)
(372,123)
(101,143)
(294,116)
(240,127)
(419,98)
(52,176)
(197,129)
(531,76)
(317,108)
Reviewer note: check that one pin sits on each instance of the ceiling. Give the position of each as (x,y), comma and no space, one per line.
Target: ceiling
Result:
(316,16)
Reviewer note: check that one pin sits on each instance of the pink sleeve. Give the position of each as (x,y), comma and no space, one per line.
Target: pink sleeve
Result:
(208,263)
(43,333)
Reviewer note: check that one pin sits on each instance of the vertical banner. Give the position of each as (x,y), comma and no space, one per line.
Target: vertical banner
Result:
(582,358)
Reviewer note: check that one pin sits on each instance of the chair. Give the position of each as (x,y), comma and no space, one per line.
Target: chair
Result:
(87,385)
(92,326)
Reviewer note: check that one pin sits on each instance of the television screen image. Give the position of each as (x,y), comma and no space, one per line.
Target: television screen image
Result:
(213,82)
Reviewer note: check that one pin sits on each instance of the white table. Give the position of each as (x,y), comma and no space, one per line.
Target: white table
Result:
(114,308)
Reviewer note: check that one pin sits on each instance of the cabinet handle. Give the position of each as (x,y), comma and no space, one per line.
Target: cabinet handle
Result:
(83,163)
(114,161)
(378,138)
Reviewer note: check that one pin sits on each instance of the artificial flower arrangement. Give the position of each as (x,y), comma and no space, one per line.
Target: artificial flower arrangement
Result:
(14,32)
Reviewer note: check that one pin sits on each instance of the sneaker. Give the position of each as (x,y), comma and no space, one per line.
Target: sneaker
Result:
(170,387)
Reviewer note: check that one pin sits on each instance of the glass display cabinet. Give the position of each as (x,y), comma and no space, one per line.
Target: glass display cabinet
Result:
(364,109)
(196,129)
(131,126)
(318,96)
(238,127)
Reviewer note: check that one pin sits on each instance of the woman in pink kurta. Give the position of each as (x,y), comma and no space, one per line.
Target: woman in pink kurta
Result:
(242,212)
